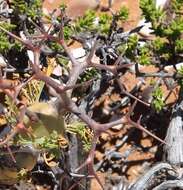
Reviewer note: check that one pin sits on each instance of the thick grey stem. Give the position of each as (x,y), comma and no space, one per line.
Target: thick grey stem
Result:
(174,137)
(170,184)
(143,182)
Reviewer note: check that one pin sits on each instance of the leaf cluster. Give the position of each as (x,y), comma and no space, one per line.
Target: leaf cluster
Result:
(123,13)
(144,57)
(51,144)
(88,75)
(32,9)
(158,101)
(12,111)
(86,22)
(5,44)
(79,128)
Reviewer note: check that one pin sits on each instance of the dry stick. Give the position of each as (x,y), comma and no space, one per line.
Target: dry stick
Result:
(49,28)
(111,68)
(41,76)
(6,84)
(10,153)
(59,87)
(27,43)
(90,160)
(64,45)
(18,88)
(69,104)
(75,184)
(13,92)
(137,125)
(37,26)
(171,88)
(169,94)
(63,95)
(9,137)
(92,52)
(19,127)
(145,130)
(160,74)
(98,129)
(77,67)
(130,95)
(83,84)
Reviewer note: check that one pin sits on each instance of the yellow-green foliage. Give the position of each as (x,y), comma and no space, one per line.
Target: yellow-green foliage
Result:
(80,129)
(158,101)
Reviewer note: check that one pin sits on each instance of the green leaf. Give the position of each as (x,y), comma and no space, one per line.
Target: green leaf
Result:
(123,13)
(158,101)
(179,46)
(5,44)
(86,22)
(32,9)
(145,57)
(79,128)
(104,23)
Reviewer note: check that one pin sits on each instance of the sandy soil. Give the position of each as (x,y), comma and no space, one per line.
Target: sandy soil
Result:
(78,7)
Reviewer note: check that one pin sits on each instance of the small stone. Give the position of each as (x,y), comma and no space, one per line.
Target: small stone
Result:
(2,61)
